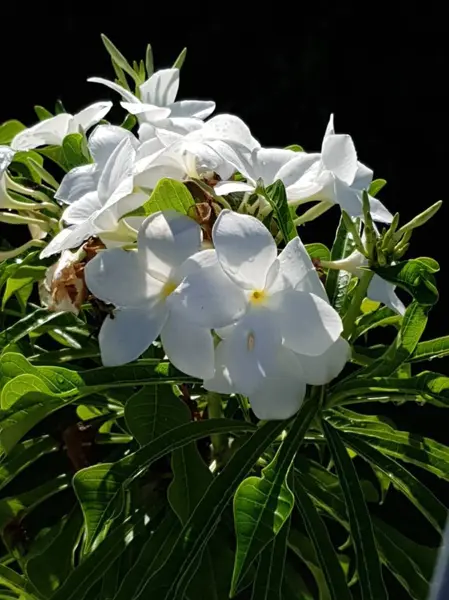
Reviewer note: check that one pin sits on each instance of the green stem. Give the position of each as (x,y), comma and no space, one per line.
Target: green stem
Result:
(219,441)
(354,308)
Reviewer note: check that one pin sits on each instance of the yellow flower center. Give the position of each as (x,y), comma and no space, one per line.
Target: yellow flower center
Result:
(168,288)
(257,296)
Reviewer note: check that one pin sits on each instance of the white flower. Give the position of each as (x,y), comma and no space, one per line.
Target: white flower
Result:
(6,156)
(379,290)
(53,130)
(334,176)
(139,284)
(100,194)
(157,105)
(63,288)
(259,302)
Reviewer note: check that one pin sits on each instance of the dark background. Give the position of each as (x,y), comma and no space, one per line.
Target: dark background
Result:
(283,71)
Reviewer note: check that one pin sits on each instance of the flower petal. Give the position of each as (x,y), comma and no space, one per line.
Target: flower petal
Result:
(363,177)
(330,129)
(220,381)
(91,115)
(104,139)
(245,248)
(149,111)
(283,389)
(198,109)
(319,370)
(207,297)
(6,156)
(117,277)
(383,291)
(107,218)
(379,212)
(83,209)
(126,336)
(189,348)
(228,128)
(125,94)
(348,198)
(166,239)
(116,180)
(161,88)
(270,161)
(50,131)
(309,324)
(250,349)
(71,237)
(77,183)
(339,157)
(222,188)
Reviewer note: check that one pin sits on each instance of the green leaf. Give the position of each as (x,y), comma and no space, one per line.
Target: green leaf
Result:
(319,251)
(414,276)
(169,194)
(24,275)
(24,326)
(23,455)
(55,154)
(100,489)
(180,60)
(295,148)
(277,198)
(43,173)
(337,281)
(382,317)
(118,58)
(437,348)
(367,558)
(413,325)
(327,557)
(23,165)
(169,582)
(402,480)
(294,587)
(49,569)
(270,571)
(303,548)
(376,186)
(9,130)
(42,113)
(17,583)
(129,122)
(75,150)
(149,62)
(153,411)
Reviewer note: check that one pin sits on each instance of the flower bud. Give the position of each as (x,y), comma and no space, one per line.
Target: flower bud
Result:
(64,288)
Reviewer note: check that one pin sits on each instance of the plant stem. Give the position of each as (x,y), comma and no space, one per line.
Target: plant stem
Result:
(219,441)
(354,308)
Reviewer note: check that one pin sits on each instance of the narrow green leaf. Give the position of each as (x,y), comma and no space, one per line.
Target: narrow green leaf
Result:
(367,558)
(42,113)
(43,173)
(100,489)
(376,186)
(382,317)
(172,579)
(49,569)
(55,154)
(319,251)
(403,480)
(23,455)
(335,578)
(414,276)
(9,130)
(277,198)
(24,326)
(149,62)
(118,58)
(295,148)
(302,547)
(169,194)
(295,587)
(337,281)
(17,583)
(129,122)
(180,60)
(75,150)
(263,504)
(270,571)
(437,348)
(24,275)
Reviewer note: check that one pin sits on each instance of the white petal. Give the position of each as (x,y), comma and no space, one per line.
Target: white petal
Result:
(149,149)
(297,167)
(104,140)
(149,177)
(383,291)
(363,177)
(220,381)
(83,209)
(77,183)
(228,128)
(71,237)
(166,239)
(222,188)
(283,389)
(379,212)
(161,88)
(192,108)
(330,129)
(50,131)
(6,156)
(126,336)
(245,248)
(149,111)
(125,94)
(107,218)
(319,370)
(207,297)
(270,161)
(348,198)
(340,157)
(189,348)
(309,324)
(181,125)
(117,277)
(91,115)
(250,350)
(116,180)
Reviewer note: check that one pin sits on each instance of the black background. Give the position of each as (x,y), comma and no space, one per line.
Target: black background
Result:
(283,70)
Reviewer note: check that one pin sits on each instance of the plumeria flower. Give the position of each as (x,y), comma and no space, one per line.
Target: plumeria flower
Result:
(53,130)
(379,290)
(98,211)
(63,288)
(139,284)
(334,176)
(157,105)
(283,386)
(258,302)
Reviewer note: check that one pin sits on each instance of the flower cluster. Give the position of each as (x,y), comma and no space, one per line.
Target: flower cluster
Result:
(230,309)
